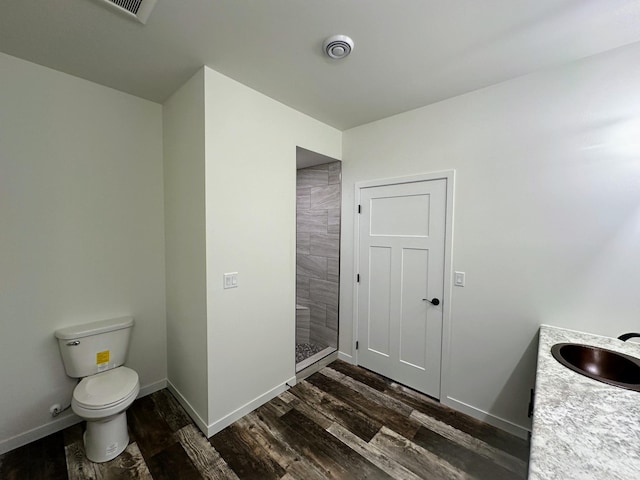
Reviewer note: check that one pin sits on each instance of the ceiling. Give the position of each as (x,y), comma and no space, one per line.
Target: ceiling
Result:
(408,53)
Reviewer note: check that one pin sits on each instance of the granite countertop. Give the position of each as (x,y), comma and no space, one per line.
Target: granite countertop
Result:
(582,428)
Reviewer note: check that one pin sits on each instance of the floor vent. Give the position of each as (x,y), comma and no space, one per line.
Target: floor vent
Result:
(138,9)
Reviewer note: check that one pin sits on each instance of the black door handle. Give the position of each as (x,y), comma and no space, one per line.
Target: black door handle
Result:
(435,301)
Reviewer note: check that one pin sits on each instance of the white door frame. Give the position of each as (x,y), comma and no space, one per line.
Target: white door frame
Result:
(449,176)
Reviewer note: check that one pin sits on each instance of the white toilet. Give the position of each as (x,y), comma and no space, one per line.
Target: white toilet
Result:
(96,352)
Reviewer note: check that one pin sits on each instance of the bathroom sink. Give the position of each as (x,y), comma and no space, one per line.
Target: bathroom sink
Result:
(600,364)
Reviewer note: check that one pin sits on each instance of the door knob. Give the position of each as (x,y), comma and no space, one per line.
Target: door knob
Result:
(435,301)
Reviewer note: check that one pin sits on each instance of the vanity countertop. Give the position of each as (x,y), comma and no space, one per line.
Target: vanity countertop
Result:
(582,428)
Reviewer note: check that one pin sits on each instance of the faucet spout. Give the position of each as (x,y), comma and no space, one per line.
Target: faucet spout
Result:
(627,336)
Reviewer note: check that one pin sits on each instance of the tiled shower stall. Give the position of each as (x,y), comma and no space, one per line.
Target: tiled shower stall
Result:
(318,257)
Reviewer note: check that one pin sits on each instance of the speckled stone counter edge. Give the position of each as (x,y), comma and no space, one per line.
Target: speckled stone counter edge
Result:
(582,428)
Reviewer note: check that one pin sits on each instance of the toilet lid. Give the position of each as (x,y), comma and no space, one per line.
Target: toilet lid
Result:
(106,388)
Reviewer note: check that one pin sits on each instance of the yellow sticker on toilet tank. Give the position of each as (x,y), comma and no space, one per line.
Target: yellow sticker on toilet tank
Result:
(102,357)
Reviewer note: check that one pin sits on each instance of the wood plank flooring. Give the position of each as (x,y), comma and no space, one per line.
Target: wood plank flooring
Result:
(343,422)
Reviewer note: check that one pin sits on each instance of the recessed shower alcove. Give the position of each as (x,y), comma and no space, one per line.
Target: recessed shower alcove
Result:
(318,200)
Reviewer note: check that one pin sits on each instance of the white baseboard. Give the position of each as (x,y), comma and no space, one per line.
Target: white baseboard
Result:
(153,387)
(228,419)
(64,420)
(346,357)
(474,412)
(195,416)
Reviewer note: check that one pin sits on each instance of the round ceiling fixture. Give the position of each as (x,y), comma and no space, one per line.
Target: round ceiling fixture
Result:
(338,46)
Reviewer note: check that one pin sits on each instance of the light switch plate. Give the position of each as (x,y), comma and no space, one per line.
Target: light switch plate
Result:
(458,279)
(231,280)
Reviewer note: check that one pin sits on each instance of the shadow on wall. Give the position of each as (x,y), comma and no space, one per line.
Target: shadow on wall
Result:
(522,379)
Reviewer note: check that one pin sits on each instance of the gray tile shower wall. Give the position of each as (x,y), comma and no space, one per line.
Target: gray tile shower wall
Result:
(318,249)
(303,324)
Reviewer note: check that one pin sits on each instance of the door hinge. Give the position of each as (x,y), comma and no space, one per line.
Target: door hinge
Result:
(357,345)
(358,278)
(359,208)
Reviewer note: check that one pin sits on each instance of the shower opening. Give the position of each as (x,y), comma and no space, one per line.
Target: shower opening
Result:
(318,200)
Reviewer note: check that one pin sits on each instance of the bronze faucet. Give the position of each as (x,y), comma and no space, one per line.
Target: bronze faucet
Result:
(627,336)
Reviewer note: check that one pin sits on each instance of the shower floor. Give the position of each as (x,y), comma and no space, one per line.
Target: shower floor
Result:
(306,350)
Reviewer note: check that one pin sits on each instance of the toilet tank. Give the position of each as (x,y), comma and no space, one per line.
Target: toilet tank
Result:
(94,347)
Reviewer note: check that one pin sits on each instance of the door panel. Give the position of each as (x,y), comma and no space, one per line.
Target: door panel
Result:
(413,222)
(401,262)
(412,325)
(380,311)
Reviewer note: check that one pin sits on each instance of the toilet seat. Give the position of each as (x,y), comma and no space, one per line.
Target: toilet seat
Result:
(107,389)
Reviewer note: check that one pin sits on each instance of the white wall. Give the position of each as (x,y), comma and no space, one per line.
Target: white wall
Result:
(547,215)
(250,209)
(81,235)
(183,128)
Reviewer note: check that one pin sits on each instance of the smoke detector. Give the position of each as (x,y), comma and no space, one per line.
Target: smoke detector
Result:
(337,46)
(138,9)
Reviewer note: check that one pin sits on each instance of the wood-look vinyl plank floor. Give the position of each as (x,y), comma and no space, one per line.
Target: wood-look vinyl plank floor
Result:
(343,422)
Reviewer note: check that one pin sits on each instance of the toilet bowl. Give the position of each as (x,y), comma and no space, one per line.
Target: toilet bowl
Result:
(102,400)
(95,352)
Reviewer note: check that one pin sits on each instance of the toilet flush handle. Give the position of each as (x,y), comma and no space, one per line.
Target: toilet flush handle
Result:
(75,343)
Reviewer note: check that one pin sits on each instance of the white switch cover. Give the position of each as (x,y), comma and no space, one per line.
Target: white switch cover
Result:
(231,280)
(458,279)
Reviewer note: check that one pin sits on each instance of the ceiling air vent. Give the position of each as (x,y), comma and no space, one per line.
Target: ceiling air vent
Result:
(138,9)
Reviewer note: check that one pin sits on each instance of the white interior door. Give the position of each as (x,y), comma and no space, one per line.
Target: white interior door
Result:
(401,268)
